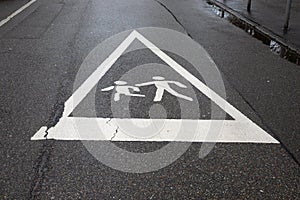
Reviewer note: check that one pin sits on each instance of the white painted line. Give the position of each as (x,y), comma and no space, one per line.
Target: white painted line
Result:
(193,80)
(4,21)
(241,129)
(93,79)
(230,132)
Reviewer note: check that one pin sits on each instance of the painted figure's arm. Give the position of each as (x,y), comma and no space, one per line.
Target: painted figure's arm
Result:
(136,89)
(179,84)
(145,84)
(108,88)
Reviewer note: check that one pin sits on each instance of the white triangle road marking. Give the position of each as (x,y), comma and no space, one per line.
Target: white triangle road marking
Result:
(239,130)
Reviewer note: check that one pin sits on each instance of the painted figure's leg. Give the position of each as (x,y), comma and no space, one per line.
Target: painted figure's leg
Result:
(159,94)
(117,97)
(176,94)
(137,95)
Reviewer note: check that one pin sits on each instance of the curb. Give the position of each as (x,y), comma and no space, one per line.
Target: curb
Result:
(276,43)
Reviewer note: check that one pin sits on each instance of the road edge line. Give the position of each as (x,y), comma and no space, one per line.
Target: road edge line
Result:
(7,19)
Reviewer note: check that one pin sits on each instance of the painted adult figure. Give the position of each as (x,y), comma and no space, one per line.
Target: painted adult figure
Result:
(163,85)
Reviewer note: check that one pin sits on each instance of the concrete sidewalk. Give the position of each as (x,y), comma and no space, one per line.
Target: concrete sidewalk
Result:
(271,15)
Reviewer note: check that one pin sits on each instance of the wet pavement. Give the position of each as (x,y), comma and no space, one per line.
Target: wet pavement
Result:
(271,15)
(41,51)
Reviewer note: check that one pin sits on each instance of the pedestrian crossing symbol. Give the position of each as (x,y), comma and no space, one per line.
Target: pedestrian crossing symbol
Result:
(239,130)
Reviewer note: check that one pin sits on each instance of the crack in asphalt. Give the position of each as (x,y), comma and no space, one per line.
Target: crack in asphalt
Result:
(109,121)
(41,168)
(43,161)
(117,129)
(115,134)
(46,134)
(174,16)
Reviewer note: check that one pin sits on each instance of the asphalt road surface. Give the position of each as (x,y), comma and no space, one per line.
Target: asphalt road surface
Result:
(42,50)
